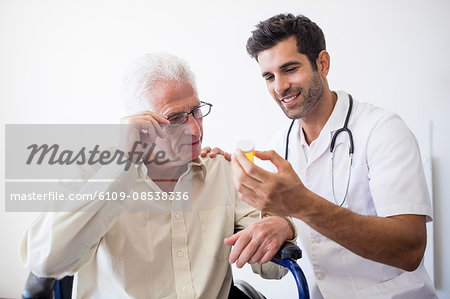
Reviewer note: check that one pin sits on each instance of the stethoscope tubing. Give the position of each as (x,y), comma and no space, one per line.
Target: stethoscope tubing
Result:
(332,146)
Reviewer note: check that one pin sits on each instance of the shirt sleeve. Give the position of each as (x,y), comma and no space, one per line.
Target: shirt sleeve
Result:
(60,243)
(396,177)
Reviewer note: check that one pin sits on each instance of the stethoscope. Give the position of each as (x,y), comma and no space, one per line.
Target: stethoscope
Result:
(333,141)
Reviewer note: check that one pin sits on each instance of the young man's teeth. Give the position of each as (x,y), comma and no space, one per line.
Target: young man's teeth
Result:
(289,99)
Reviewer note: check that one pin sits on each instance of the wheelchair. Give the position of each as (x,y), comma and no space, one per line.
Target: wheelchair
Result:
(49,288)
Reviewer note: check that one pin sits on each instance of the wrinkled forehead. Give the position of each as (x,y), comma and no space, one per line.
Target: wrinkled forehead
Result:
(171,97)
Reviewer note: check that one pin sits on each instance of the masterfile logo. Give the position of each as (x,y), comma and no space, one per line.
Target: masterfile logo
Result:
(66,167)
(54,155)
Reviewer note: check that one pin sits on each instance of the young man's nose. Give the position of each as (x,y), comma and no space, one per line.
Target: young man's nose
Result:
(281,84)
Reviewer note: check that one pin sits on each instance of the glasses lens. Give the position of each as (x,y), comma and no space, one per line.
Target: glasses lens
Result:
(177,119)
(202,111)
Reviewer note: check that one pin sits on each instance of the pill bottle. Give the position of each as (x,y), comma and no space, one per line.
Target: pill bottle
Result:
(248,147)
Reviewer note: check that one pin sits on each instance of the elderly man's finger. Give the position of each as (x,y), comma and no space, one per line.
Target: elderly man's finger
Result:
(239,246)
(230,241)
(150,126)
(258,255)
(267,256)
(247,253)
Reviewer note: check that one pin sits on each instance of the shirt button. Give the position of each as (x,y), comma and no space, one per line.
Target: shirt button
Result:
(180,253)
(184,289)
(316,239)
(320,276)
(177,216)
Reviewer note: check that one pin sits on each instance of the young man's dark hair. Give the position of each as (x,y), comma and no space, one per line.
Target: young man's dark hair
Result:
(268,33)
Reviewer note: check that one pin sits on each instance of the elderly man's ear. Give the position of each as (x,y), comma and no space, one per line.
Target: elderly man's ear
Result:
(213,152)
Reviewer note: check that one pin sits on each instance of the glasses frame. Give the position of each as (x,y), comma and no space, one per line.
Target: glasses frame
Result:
(202,104)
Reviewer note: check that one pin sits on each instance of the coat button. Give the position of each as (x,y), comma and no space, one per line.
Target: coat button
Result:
(320,276)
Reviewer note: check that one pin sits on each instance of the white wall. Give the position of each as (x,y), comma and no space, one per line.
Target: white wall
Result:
(62,61)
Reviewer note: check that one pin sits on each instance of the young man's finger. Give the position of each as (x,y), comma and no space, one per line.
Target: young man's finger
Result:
(271,156)
(251,169)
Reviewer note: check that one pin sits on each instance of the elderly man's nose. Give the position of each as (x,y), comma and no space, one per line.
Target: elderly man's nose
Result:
(193,126)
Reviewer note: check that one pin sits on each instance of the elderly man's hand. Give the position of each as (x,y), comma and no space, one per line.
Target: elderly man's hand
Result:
(141,127)
(259,242)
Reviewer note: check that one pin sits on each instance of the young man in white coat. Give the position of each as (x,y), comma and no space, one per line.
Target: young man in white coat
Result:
(349,172)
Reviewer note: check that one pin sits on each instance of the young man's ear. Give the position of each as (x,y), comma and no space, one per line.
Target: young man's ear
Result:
(323,63)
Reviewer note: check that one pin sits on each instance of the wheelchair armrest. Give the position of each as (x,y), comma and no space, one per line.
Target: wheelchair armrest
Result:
(288,251)
(38,288)
(286,257)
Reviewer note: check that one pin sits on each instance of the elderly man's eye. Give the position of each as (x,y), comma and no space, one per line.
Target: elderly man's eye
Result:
(177,118)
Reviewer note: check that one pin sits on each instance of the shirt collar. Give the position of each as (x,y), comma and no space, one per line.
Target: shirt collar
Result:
(301,134)
(195,165)
(334,122)
(198,163)
(337,117)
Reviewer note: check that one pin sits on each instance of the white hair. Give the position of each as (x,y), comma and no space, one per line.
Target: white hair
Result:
(148,71)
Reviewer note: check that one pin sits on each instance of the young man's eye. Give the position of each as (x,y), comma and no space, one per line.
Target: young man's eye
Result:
(268,77)
(291,69)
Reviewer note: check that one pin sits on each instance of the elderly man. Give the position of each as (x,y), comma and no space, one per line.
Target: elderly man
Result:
(176,248)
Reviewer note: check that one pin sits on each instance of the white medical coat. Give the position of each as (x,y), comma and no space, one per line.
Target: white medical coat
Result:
(387,179)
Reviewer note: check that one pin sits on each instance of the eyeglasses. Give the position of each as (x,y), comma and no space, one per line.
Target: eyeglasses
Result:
(198,112)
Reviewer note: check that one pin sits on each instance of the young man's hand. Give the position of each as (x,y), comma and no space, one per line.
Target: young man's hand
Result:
(213,152)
